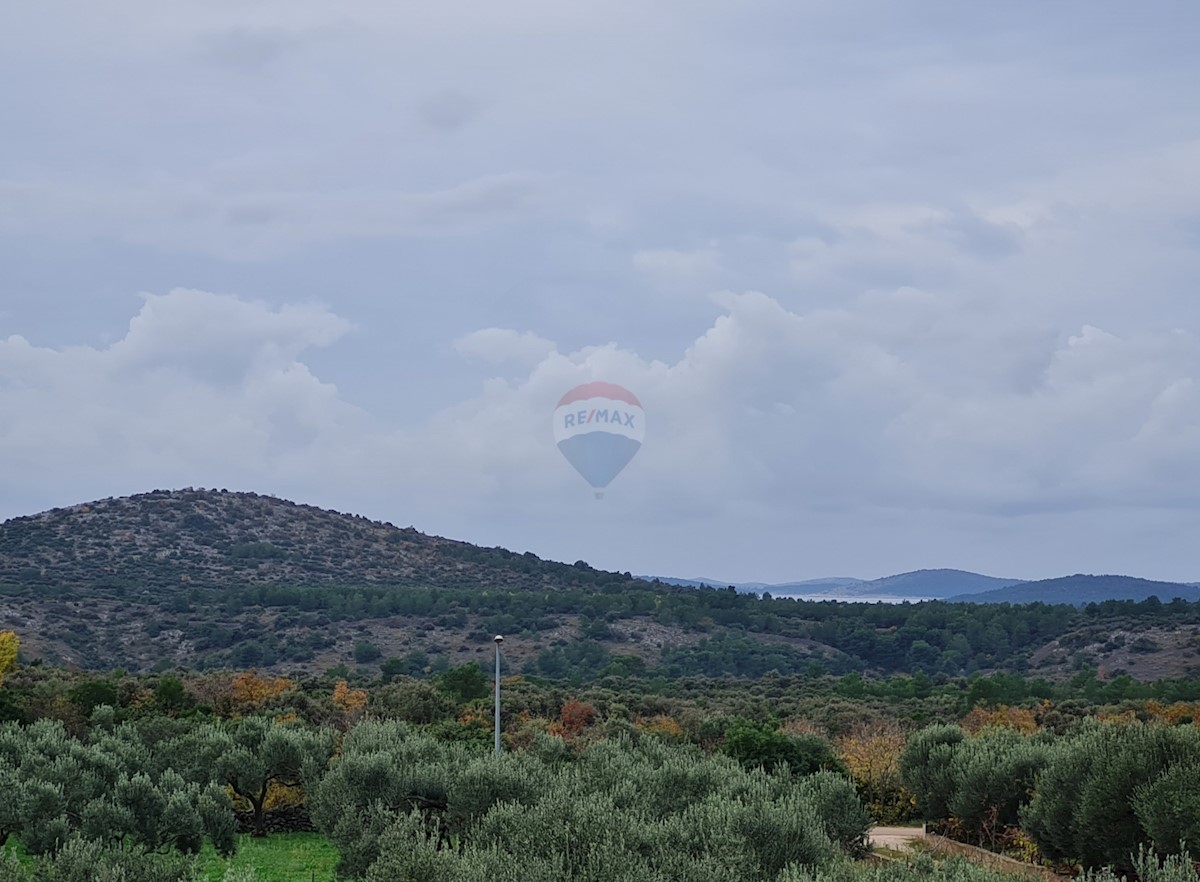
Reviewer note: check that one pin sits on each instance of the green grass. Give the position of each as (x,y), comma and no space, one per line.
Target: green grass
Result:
(284,857)
(14,846)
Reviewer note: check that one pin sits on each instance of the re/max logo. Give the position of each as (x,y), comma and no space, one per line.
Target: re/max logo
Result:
(597,415)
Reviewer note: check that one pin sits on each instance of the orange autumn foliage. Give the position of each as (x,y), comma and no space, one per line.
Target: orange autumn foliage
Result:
(573,719)
(662,726)
(1173,714)
(249,690)
(350,702)
(1019,718)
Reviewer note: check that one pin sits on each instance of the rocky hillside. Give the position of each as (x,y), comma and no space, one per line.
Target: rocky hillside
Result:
(212,579)
(205,538)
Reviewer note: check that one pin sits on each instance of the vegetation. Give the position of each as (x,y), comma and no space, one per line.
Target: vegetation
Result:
(395,802)
(923,868)
(398,775)
(287,857)
(1091,797)
(215,580)
(316,707)
(10,647)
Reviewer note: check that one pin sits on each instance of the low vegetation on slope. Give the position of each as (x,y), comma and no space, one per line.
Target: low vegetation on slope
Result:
(208,579)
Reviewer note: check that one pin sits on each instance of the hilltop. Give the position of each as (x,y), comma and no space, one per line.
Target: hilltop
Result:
(207,538)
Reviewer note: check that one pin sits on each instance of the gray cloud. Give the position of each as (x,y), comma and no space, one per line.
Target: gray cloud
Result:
(974,228)
(768,411)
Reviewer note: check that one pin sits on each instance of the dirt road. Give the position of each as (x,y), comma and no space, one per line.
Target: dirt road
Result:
(894,838)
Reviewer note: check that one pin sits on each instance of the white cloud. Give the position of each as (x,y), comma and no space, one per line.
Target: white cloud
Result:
(502,345)
(768,408)
(202,385)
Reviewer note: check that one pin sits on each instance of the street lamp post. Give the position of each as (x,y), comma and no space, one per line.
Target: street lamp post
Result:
(498,640)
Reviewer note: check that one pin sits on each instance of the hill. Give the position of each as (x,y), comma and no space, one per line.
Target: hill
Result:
(1081,589)
(210,579)
(929,584)
(201,538)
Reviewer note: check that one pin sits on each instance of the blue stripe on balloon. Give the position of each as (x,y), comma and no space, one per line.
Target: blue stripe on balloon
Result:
(599,456)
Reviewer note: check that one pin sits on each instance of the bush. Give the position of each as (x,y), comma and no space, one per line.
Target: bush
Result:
(992,776)
(112,789)
(465,683)
(413,701)
(366,652)
(925,768)
(840,810)
(400,805)
(1168,807)
(761,745)
(81,861)
(1103,784)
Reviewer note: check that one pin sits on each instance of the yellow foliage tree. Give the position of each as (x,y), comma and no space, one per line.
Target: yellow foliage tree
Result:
(350,702)
(1019,718)
(248,690)
(871,753)
(1173,714)
(663,726)
(10,646)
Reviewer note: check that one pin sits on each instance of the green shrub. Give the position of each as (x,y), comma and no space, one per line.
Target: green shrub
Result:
(925,768)
(400,805)
(992,776)
(761,745)
(1168,807)
(1103,783)
(839,809)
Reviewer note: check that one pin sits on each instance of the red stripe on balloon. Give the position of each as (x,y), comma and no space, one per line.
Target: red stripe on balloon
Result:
(599,389)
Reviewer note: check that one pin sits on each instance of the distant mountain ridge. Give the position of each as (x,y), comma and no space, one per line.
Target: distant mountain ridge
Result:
(919,584)
(936,584)
(1080,588)
(807,586)
(961,586)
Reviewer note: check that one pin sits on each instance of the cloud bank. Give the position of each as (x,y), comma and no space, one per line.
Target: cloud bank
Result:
(896,402)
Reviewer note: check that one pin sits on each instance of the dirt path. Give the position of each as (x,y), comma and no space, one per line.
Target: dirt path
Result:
(894,838)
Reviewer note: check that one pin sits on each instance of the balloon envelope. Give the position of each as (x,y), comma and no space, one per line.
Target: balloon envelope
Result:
(599,427)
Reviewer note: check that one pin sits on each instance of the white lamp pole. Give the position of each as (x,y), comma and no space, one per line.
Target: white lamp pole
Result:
(498,640)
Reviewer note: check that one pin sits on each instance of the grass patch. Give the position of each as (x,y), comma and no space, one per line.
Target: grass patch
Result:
(285,857)
(14,846)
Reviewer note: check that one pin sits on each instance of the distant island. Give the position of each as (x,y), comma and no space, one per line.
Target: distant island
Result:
(960,586)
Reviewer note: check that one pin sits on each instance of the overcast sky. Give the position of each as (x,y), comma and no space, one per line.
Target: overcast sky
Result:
(899,285)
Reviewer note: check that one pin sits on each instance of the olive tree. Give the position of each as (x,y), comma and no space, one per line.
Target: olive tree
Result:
(111,791)
(252,755)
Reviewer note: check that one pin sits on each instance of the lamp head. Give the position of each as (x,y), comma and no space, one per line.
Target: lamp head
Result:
(498,639)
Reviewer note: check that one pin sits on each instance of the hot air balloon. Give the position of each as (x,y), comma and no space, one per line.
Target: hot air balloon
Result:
(599,427)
